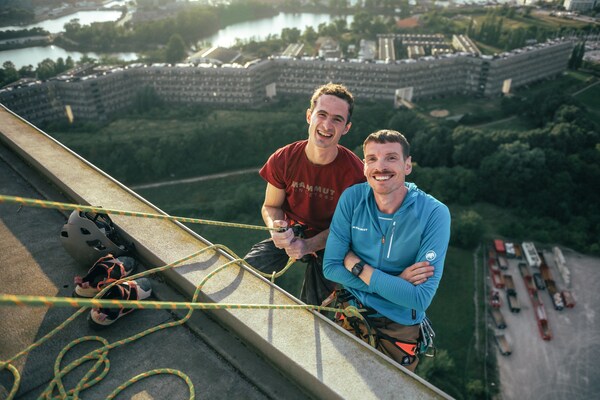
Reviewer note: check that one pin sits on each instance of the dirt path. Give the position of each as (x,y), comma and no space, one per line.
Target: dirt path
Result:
(194,179)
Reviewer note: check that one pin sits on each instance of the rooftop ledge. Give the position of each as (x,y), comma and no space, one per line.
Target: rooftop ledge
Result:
(322,358)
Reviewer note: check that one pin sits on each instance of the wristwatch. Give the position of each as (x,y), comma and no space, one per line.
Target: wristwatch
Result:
(358,268)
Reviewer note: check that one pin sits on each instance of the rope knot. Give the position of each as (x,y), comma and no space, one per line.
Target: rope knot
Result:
(352,311)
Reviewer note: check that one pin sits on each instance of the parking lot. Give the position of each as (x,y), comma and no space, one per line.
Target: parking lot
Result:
(565,367)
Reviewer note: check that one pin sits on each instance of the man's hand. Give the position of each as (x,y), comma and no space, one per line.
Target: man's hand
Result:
(298,249)
(283,239)
(417,273)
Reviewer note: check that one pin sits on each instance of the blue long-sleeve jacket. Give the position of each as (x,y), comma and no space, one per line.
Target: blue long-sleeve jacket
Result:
(418,231)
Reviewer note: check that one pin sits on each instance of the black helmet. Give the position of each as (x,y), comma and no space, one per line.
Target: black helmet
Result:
(87,236)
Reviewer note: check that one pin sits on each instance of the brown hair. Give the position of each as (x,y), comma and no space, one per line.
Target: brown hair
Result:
(336,90)
(389,136)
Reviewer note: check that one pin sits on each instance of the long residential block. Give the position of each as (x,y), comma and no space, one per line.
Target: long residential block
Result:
(99,95)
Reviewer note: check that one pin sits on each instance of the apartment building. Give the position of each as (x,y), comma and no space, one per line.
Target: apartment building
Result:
(579,5)
(101,94)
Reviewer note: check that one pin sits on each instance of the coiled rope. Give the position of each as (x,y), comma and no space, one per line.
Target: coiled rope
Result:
(101,354)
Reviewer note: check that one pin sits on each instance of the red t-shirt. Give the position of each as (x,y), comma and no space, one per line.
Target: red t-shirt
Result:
(312,191)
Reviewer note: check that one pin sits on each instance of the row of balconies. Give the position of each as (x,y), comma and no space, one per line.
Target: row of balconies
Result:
(429,78)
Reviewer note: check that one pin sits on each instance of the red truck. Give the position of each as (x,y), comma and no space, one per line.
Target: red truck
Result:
(542,321)
(499,246)
(511,295)
(497,279)
(527,277)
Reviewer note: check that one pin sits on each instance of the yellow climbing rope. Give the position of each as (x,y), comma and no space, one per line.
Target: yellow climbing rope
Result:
(100,355)
(100,210)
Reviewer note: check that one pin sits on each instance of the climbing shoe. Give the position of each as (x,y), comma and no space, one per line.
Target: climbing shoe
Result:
(106,270)
(139,289)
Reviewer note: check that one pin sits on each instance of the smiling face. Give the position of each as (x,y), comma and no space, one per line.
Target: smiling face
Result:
(327,121)
(386,168)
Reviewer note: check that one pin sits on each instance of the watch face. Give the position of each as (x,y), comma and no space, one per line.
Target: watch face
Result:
(357,269)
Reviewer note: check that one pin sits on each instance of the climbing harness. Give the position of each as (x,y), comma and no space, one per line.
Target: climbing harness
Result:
(371,327)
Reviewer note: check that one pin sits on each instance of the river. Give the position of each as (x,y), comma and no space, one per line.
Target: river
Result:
(258,29)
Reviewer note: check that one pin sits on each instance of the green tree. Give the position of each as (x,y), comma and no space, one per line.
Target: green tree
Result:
(512,169)
(10,73)
(471,146)
(146,99)
(435,370)
(432,147)
(175,51)
(26,71)
(476,388)
(290,35)
(309,35)
(577,54)
(467,229)
(362,23)
(46,69)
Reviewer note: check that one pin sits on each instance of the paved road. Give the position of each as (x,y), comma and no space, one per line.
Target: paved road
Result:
(565,367)
(194,179)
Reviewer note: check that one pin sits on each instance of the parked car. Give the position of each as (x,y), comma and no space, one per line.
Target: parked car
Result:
(568,298)
(539,282)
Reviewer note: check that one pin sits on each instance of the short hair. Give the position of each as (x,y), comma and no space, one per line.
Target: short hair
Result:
(337,90)
(389,136)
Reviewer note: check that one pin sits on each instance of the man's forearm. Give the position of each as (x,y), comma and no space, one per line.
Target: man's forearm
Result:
(271,214)
(317,242)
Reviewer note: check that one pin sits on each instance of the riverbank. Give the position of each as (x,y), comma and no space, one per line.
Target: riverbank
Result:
(41,16)
(20,43)
(68,10)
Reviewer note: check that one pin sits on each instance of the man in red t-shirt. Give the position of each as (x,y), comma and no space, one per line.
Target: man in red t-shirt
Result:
(304,182)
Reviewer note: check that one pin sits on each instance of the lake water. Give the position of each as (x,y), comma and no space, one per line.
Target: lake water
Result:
(34,55)
(260,29)
(57,25)
(226,37)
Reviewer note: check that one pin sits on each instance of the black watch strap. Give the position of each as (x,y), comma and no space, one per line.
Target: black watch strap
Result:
(357,269)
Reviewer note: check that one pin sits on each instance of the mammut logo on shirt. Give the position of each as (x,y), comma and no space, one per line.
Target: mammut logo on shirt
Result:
(430,256)
(358,228)
(313,190)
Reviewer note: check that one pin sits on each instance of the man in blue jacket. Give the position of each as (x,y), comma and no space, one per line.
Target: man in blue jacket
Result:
(386,246)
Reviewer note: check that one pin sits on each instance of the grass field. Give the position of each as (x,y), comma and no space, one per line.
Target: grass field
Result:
(591,98)
(125,130)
